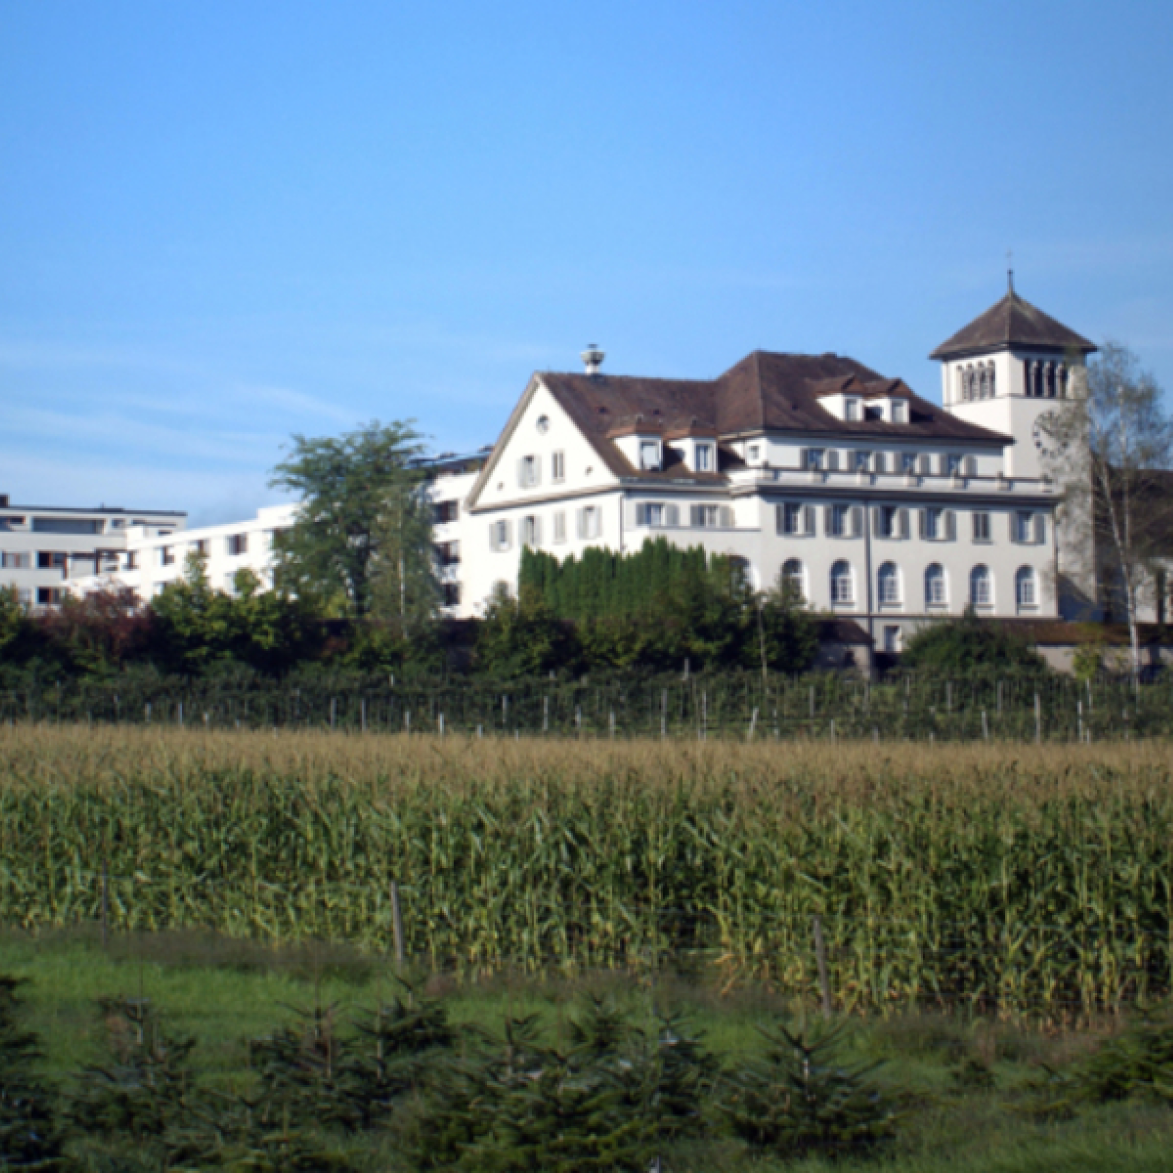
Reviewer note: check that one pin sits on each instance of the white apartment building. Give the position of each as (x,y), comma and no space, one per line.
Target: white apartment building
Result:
(880,506)
(44,549)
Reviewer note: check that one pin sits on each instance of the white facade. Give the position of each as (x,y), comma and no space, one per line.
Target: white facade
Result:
(45,550)
(880,506)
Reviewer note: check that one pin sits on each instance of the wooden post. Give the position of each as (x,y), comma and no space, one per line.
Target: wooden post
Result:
(1079,716)
(821,959)
(105,902)
(397,923)
(406,720)
(752,723)
(179,717)
(985,726)
(440,724)
(363,712)
(611,723)
(1038,719)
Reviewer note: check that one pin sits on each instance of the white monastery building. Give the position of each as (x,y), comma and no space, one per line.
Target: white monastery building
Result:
(880,506)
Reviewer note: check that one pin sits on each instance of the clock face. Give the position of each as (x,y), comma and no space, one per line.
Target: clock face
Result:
(1044,434)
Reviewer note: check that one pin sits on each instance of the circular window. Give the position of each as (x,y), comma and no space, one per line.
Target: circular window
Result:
(543,424)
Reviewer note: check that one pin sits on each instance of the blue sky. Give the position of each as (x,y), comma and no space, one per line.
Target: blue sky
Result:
(223,223)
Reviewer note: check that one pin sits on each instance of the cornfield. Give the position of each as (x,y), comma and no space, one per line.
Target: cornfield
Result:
(1014,878)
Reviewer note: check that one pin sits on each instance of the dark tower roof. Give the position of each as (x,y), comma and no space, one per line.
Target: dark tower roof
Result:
(1012,322)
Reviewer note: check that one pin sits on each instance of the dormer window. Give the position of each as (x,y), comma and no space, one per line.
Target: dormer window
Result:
(704,458)
(899,411)
(753,453)
(851,409)
(649,455)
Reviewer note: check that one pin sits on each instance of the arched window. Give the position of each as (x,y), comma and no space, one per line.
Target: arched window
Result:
(794,578)
(984,384)
(936,594)
(842,583)
(981,587)
(1061,380)
(1026,587)
(889,583)
(993,386)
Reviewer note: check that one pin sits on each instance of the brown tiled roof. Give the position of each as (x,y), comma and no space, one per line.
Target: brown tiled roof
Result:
(764,392)
(1012,322)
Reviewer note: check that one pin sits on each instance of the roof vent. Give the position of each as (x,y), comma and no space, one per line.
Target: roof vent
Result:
(592,358)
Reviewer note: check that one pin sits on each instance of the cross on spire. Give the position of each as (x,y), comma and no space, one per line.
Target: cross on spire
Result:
(1010,269)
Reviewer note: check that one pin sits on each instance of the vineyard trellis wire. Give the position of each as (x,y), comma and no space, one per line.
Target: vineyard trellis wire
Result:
(741,705)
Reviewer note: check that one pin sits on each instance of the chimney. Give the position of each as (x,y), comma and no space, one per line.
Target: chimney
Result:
(592,358)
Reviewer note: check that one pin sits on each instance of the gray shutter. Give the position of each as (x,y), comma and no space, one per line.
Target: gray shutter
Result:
(857,521)
(950,525)
(780,519)
(521,472)
(828,520)
(580,523)
(832,460)
(537,532)
(492,535)
(804,459)
(537,470)
(902,521)
(1012,516)
(1040,529)
(808,520)
(641,514)
(969,466)
(726,516)
(926,464)
(876,520)
(672,515)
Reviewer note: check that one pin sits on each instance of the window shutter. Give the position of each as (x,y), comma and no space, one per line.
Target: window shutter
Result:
(828,519)
(832,460)
(726,515)
(808,520)
(856,521)
(969,466)
(536,470)
(537,532)
(492,536)
(641,514)
(902,522)
(923,516)
(1040,529)
(580,523)
(926,464)
(780,519)
(695,516)
(804,458)
(672,515)
(950,526)
(521,472)
(1013,518)
(876,520)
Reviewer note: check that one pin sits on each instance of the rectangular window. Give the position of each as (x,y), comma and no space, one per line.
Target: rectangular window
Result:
(448,553)
(65,525)
(237,545)
(49,596)
(132,560)
(1023,526)
(16,561)
(908,462)
(200,546)
(838,519)
(649,455)
(754,453)
(706,516)
(451,594)
(790,518)
(704,458)
(930,520)
(558,466)
(886,521)
(651,513)
(815,457)
(862,461)
(50,560)
(445,511)
(531,531)
(527,472)
(899,411)
(590,522)
(24,596)
(981,527)
(560,526)
(953,465)
(851,409)
(501,535)
(167,556)
(892,639)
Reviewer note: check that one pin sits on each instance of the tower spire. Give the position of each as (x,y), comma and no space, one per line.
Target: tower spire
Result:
(1009,270)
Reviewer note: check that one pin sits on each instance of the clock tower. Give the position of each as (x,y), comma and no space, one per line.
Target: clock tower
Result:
(1007,370)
